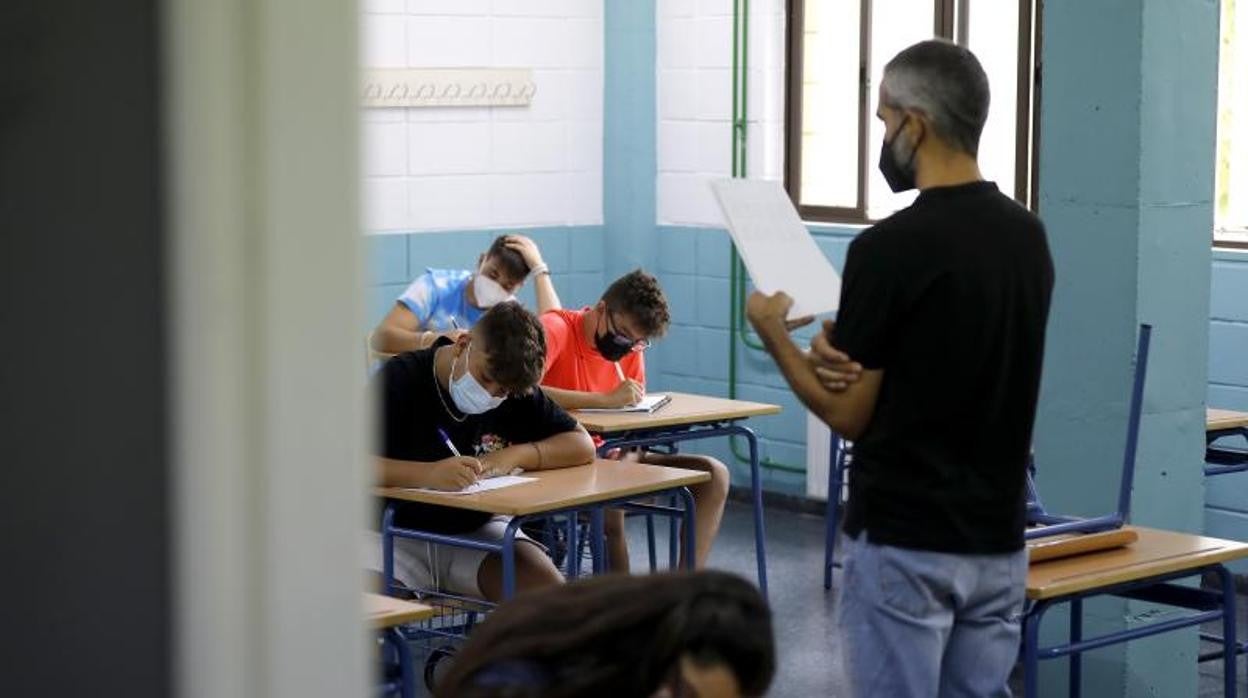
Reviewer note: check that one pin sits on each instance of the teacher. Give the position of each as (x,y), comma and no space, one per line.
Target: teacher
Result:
(933,370)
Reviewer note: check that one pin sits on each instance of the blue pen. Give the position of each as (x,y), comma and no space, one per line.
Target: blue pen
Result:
(447,440)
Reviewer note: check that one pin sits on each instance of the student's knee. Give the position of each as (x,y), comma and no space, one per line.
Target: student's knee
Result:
(534,568)
(721,477)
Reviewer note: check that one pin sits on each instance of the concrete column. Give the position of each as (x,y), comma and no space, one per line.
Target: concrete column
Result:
(629,158)
(1126,187)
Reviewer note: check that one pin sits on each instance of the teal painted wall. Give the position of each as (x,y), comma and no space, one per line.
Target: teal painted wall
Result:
(1226,496)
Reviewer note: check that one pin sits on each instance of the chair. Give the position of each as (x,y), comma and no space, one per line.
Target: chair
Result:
(1040,522)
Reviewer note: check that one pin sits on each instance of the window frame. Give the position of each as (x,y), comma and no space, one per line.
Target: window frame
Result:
(951,20)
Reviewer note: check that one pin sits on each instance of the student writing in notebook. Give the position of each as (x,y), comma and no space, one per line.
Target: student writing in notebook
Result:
(480,392)
(595,358)
(446,302)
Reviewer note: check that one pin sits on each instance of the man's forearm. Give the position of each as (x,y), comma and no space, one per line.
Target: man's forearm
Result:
(846,412)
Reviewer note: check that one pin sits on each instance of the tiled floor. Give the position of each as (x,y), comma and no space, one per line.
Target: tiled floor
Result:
(809,659)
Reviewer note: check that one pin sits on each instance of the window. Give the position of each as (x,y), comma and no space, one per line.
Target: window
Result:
(837,52)
(1230,201)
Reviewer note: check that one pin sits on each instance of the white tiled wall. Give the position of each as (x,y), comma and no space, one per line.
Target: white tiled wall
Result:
(446,168)
(695,102)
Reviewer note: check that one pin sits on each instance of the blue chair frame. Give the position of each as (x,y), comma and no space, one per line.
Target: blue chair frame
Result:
(1041,521)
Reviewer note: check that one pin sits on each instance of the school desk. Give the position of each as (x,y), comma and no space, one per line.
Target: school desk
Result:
(689,418)
(1221,459)
(560,491)
(1143,571)
(386,614)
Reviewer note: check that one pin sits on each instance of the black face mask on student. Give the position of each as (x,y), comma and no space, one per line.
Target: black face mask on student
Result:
(899,177)
(611,344)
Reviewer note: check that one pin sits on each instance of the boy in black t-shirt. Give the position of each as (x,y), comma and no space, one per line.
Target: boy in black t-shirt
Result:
(480,390)
(943,310)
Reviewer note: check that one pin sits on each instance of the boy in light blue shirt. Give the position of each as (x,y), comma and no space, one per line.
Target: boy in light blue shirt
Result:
(445,302)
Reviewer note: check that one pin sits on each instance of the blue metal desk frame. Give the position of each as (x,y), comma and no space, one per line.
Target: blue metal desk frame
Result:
(676,434)
(1207,606)
(507,546)
(396,652)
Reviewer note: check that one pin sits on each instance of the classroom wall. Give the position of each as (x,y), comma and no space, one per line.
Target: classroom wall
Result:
(694,89)
(1226,496)
(453,168)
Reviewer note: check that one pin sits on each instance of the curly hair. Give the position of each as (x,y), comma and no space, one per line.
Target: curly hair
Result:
(639,296)
(515,345)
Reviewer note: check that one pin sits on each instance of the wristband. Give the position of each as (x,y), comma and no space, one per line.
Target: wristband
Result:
(539,270)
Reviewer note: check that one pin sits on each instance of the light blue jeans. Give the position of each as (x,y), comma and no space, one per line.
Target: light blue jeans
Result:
(919,624)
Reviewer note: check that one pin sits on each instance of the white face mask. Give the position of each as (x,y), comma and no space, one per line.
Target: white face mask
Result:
(467,393)
(488,291)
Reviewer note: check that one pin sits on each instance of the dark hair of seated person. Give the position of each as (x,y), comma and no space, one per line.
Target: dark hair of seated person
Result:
(515,345)
(616,635)
(510,262)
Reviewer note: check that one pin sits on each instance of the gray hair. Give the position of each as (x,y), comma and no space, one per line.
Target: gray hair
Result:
(947,84)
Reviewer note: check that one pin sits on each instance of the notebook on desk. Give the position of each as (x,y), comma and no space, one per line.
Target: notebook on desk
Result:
(649,403)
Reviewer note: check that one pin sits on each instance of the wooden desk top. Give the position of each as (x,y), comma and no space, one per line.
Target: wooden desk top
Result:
(1157,552)
(599,481)
(1218,420)
(386,612)
(684,409)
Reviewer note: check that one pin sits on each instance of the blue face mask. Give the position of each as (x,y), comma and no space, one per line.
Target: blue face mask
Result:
(467,393)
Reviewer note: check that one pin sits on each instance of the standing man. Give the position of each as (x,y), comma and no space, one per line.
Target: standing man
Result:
(943,311)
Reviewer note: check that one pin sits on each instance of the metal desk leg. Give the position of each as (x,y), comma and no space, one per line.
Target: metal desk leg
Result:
(654,563)
(403,653)
(756,486)
(509,558)
(1076,659)
(1031,647)
(596,547)
(686,498)
(574,546)
(387,550)
(1230,652)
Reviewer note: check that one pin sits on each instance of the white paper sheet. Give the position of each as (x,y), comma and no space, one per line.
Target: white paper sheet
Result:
(493,483)
(777,249)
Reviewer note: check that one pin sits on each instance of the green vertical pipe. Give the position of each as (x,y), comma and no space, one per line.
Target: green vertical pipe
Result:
(736,272)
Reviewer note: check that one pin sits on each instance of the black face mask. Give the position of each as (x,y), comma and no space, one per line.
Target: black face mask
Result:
(899,177)
(612,346)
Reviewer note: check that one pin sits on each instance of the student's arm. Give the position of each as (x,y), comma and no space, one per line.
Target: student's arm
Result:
(562,450)
(400,331)
(625,394)
(543,287)
(847,412)
(453,473)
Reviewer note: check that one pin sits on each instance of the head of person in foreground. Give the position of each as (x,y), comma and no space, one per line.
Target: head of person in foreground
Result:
(673,635)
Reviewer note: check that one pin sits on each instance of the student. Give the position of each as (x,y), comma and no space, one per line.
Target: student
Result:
(933,370)
(480,389)
(594,359)
(687,634)
(443,302)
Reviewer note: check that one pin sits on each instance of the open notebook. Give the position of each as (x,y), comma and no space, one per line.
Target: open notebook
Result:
(649,403)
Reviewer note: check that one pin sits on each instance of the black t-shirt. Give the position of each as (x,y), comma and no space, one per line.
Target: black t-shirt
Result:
(950,298)
(414,406)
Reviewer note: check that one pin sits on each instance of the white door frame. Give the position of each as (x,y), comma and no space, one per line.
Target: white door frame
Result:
(269,468)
